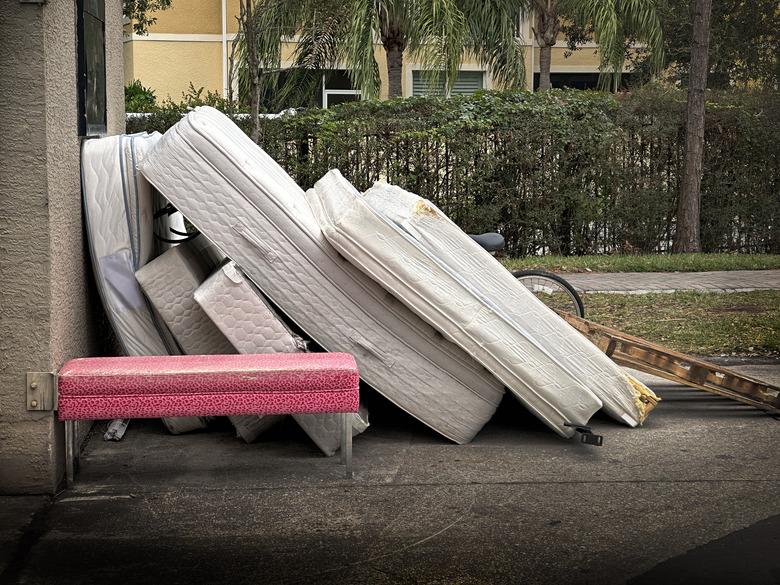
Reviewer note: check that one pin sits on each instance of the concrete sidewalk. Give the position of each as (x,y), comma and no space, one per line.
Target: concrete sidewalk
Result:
(644,282)
(690,498)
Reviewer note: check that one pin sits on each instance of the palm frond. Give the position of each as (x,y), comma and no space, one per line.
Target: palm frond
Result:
(613,22)
(358,51)
(437,32)
(495,37)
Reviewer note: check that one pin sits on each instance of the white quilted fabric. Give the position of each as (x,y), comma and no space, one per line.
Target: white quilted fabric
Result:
(543,361)
(238,309)
(114,237)
(242,315)
(236,195)
(118,209)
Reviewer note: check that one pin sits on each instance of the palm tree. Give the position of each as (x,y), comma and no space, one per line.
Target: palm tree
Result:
(613,22)
(435,32)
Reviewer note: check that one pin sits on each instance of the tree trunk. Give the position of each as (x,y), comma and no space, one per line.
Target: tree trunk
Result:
(545,56)
(395,65)
(393,40)
(232,65)
(686,237)
(249,26)
(546,28)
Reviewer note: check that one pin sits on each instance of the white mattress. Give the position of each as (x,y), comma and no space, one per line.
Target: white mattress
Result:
(238,309)
(236,195)
(415,252)
(170,282)
(118,208)
(115,204)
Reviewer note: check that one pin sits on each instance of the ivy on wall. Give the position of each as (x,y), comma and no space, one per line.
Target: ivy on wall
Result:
(564,171)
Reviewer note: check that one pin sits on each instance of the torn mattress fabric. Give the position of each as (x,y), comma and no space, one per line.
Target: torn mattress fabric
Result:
(247,205)
(467,295)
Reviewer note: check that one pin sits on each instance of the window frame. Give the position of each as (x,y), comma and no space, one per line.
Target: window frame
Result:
(408,90)
(86,127)
(329,92)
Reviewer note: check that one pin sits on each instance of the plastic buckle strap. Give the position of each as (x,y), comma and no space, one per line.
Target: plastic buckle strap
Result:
(587,436)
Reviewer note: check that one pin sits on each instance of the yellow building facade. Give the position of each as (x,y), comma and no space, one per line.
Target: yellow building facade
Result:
(191,43)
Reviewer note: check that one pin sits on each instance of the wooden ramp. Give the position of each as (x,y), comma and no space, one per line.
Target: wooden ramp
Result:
(643,355)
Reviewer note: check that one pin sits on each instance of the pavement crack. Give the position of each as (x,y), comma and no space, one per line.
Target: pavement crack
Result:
(369,561)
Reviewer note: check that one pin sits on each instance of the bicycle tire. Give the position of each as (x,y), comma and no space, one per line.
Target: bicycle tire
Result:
(575,296)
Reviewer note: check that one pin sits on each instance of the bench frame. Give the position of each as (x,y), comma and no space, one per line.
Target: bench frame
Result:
(42,395)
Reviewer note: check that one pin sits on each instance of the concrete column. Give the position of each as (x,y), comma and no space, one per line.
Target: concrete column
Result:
(48,307)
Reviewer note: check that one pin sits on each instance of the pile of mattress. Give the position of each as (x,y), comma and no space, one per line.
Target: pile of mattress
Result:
(222,313)
(250,208)
(409,246)
(436,324)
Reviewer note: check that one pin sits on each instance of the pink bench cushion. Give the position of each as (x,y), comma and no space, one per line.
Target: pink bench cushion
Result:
(207,385)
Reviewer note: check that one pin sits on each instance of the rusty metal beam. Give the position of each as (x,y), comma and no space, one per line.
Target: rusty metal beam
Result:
(643,355)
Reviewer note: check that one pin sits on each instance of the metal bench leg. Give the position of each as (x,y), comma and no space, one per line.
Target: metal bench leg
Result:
(346,442)
(71,451)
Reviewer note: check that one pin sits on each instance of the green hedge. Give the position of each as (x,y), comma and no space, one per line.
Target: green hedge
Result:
(566,172)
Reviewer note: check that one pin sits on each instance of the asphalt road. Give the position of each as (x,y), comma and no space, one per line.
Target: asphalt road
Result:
(690,498)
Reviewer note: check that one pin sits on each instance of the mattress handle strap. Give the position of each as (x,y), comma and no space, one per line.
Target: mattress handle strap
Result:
(245,233)
(180,240)
(370,348)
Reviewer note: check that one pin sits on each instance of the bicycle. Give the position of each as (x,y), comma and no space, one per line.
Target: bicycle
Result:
(553,290)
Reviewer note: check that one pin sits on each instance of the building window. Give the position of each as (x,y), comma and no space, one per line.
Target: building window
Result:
(467,83)
(315,88)
(90,35)
(337,89)
(579,80)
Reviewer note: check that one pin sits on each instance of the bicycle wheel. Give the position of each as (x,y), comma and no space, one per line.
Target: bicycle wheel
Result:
(552,290)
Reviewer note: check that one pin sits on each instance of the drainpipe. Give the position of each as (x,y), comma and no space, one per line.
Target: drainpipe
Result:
(224,50)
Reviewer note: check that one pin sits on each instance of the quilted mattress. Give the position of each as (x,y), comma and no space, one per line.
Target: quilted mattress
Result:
(238,309)
(236,195)
(416,253)
(119,205)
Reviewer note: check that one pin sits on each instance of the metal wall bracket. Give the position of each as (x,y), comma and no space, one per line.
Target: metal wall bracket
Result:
(587,436)
(41,391)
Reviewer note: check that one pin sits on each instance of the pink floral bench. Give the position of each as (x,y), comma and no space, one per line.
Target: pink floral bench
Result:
(203,385)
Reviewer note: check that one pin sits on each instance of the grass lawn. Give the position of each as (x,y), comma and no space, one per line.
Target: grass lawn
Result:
(694,322)
(647,263)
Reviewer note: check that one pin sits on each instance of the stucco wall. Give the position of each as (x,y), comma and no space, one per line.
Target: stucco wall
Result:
(168,67)
(25,459)
(48,303)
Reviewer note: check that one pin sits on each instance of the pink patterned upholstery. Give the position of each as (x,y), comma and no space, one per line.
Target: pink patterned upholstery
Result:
(207,385)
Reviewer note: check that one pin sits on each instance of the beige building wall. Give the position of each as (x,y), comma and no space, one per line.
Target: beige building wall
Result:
(168,67)
(49,307)
(186,45)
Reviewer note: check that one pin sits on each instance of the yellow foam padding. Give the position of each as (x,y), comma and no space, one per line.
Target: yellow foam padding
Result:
(644,398)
